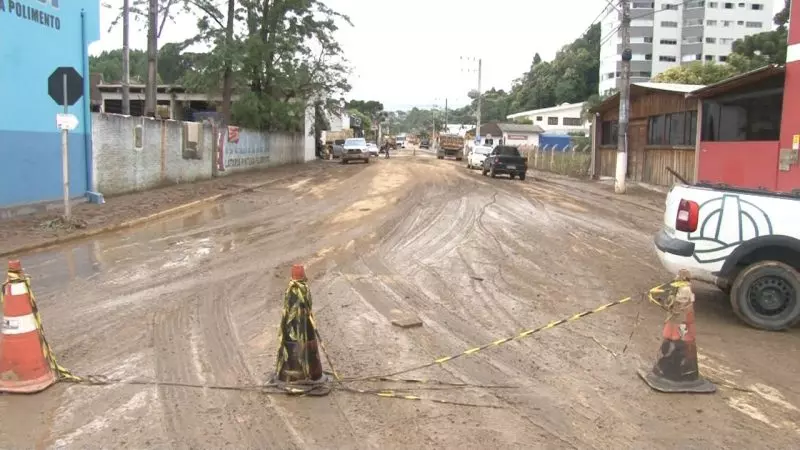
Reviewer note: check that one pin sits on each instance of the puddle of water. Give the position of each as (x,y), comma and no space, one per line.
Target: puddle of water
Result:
(53,269)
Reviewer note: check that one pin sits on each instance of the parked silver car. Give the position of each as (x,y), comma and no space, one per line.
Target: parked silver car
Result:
(355,149)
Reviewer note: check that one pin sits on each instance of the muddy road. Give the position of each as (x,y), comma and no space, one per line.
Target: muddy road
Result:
(196,299)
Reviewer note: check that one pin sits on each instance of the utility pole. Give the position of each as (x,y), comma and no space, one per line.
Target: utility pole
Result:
(126,55)
(150,103)
(478,113)
(445,114)
(624,99)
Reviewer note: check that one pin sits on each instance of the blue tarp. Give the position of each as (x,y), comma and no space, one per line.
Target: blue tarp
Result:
(560,141)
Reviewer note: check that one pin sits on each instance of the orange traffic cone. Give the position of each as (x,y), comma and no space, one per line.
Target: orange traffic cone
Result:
(298,362)
(24,367)
(676,369)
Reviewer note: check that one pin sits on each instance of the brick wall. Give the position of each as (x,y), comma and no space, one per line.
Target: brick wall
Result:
(137,153)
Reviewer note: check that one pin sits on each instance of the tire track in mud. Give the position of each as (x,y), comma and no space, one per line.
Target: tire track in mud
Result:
(173,349)
(469,370)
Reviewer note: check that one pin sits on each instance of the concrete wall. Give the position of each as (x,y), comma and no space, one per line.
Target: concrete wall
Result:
(258,150)
(137,153)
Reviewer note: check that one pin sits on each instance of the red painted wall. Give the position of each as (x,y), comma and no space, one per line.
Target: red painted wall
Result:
(790,118)
(752,164)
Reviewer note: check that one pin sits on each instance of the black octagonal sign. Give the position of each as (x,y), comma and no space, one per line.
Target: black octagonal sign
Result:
(55,85)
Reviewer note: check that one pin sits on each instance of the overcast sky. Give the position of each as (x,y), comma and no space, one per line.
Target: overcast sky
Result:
(407,52)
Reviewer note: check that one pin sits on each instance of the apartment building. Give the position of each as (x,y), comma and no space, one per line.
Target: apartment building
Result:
(667,33)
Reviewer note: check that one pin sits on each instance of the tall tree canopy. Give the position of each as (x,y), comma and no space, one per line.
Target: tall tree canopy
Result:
(761,49)
(697,72)
(275,55)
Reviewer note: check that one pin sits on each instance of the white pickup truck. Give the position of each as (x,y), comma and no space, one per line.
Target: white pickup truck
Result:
(747,242)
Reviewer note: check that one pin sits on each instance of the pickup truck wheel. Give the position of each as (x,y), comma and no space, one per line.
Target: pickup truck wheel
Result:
(492,173)
(765,295)
(459,159)
(440,157)
(483,171)
(366,160)
(344,161)
(511,175)
(522,177)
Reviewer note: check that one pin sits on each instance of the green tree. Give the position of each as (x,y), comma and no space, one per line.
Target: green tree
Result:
(696,72)
(571,77)
(761,49)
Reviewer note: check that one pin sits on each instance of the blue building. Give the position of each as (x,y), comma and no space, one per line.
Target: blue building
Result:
(38,37)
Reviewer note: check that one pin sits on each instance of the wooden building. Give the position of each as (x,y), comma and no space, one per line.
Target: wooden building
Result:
(662,132)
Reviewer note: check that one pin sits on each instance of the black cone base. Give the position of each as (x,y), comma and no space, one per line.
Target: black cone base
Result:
(317,388)
(698,386)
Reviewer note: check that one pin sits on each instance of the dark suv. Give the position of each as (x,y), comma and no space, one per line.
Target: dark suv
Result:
(505,159)
(425,144)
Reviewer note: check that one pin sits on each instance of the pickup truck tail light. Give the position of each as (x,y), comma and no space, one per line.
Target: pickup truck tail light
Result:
(688,216)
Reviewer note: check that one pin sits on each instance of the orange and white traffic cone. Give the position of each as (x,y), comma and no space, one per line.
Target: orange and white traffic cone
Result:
(24,367)
(676,369)
(298,365)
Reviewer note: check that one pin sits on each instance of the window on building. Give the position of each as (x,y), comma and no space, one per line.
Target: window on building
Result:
(711,23)
(648,57)
(692,39)
(608,132)
(669,24)
(754,24)
(572,121)
(726,41)
(642,5)
(741,4)
(669,6)
(709,57)
(648,39)
(710,40)
(727,23)
(552,120)
(678,129)
(723,58)
(642,74)
(666,58)
(693,22)
(695,4)
(740,23)
(757,7)
(669,42)
(713,5)
(728,5)
(755,116)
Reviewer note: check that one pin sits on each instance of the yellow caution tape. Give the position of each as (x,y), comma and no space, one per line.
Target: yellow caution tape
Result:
(519,336)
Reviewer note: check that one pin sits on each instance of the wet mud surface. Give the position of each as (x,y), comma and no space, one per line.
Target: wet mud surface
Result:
(196,298)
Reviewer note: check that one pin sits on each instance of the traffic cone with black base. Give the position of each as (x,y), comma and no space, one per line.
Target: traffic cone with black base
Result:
(676,369)
(298,368)
(24,364)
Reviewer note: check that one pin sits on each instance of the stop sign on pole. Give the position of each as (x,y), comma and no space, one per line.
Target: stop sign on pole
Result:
(55,86)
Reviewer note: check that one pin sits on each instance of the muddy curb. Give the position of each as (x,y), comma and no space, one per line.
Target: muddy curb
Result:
(599,194)
(130,223)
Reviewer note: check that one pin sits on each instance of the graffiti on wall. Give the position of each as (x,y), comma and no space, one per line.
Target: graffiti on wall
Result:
(249,150)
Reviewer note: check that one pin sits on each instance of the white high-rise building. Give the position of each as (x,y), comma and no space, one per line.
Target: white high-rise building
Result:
(667,33)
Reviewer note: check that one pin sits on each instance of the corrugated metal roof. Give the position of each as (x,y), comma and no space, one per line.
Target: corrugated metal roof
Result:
(671,87)
(648,86)
(545,110)
(519,128)
(738,81)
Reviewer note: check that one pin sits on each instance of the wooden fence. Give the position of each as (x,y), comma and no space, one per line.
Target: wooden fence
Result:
(574,161)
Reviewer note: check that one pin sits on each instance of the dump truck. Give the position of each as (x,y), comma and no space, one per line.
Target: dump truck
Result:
(334,141)
(450,145)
